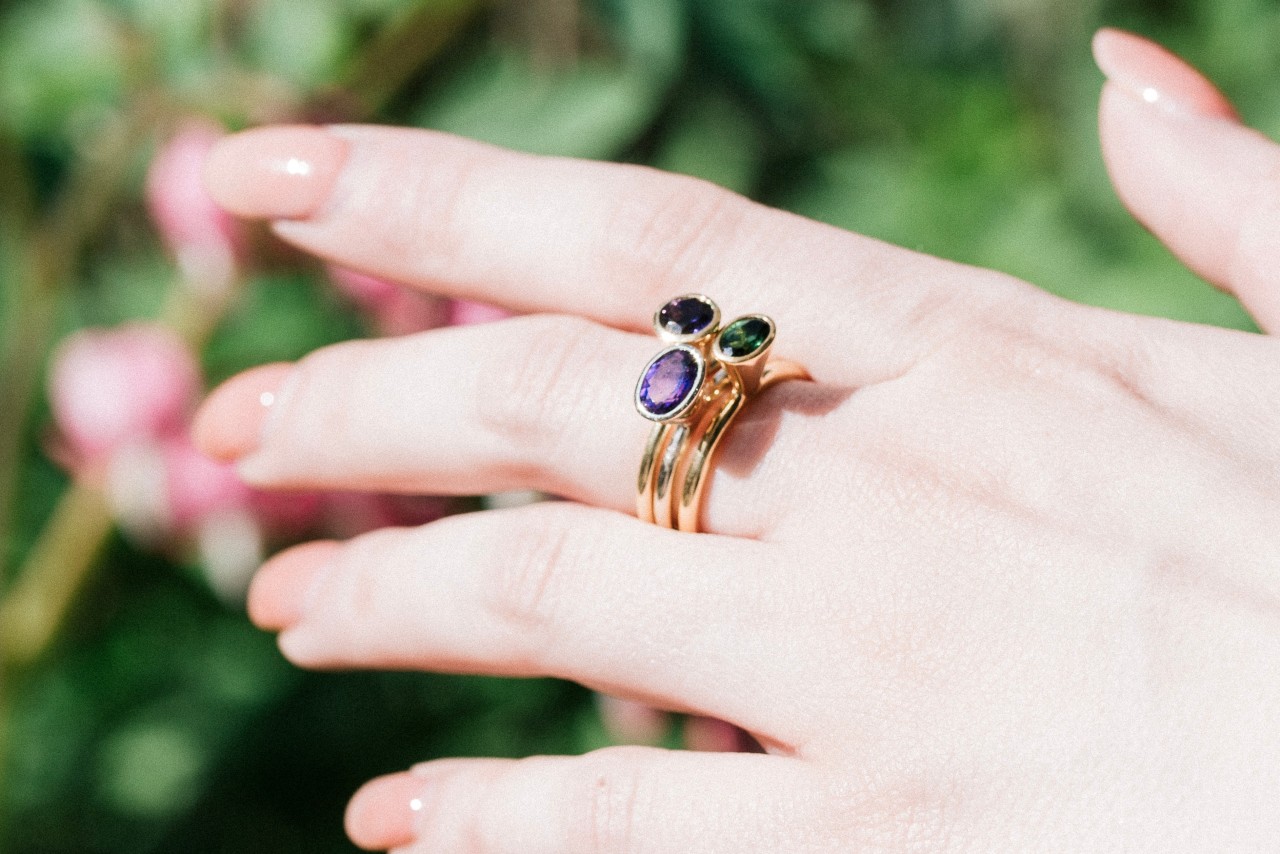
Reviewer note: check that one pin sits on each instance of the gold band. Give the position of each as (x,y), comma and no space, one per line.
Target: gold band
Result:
(691,422)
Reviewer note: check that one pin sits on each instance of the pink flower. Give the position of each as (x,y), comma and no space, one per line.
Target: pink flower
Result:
(110,387)
(717,736)
(394,309)
(197,487)
(289,514)
(352,513)
(466,312)
(367,292)
(205,239)
(630,721)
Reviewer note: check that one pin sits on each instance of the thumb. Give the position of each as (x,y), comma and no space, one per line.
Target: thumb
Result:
(1184,165)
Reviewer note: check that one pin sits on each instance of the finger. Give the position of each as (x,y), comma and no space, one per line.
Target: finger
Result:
(612,801)
(693,623)
(611,242)
(1206,185)
(539,402)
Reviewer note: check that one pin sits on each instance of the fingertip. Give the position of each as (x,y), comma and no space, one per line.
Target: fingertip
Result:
(1154,75)
(228,425)
(279,592)
(279,172)
(382,814)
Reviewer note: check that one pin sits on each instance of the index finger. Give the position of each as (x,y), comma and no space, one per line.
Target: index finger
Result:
(607,241)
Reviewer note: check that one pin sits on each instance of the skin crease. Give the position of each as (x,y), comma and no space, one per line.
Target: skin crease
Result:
(1004,577)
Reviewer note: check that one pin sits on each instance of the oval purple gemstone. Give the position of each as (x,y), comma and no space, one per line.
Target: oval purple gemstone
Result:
(668,382)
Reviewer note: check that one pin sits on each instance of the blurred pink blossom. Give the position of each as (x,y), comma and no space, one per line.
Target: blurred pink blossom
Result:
(110,387)
(630,721)
(196,486)
(466,312)
(206,240)
(367,292)
(349,514)
(393,308)
(716,736)
(289,514)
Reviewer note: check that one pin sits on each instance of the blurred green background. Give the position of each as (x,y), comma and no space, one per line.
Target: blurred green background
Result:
(156,718)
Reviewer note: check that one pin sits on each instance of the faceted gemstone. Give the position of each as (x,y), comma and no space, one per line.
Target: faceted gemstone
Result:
(687,316)
(744,337)
(669,381)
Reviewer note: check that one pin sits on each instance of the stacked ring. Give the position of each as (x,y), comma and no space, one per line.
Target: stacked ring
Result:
(693,390)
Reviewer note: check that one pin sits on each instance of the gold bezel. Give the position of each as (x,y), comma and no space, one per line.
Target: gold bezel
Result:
(713,328)
(691,398)
(724,358)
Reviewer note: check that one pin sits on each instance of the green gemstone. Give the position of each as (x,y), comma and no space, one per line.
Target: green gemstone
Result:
(744,337)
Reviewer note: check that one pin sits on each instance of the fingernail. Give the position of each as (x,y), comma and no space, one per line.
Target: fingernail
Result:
(281,591)
(229,424)
(283,172)
(1153,75)
(384,812)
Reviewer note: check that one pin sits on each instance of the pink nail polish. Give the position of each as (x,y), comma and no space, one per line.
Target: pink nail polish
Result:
(229,425)
(283,172)
(384,813)
(283,588)
(1153,75)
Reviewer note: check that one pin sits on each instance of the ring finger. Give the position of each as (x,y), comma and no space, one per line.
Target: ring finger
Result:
(541,402)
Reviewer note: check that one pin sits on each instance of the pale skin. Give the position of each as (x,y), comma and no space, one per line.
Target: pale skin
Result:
(1005,576)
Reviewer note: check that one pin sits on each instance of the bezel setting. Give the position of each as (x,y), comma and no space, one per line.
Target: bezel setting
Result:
(760,348)
(690,396)
(685,337)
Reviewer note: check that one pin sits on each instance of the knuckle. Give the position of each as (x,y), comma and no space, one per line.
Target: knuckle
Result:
(527,568)
(1073,363)
(542,375)
(357,590)
(324,404)
(673,231)
(891,812)
(423,209)
(605,810)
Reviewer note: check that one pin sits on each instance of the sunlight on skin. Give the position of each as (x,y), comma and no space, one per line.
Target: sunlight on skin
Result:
(1051,624)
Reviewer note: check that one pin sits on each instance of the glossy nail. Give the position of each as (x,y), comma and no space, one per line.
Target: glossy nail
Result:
(229,424)
(283,172)
(285,585)
(1153,75)
(383,814)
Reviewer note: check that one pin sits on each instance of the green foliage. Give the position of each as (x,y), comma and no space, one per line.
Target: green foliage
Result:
(162,721)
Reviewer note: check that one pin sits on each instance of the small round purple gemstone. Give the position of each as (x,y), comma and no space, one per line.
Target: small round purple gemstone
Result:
(686,316)
(668,381)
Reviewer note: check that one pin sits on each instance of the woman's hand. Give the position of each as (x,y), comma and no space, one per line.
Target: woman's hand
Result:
(1004,576)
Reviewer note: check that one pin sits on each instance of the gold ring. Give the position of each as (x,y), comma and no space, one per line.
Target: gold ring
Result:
(693,390)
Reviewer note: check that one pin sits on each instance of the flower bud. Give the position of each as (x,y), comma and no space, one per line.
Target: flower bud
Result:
(198,487)
(110,387)
(206,240)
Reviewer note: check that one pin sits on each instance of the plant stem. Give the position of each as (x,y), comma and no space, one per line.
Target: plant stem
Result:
(53,248)
(16,212)
(402,48)
(54,572)
(34,609)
